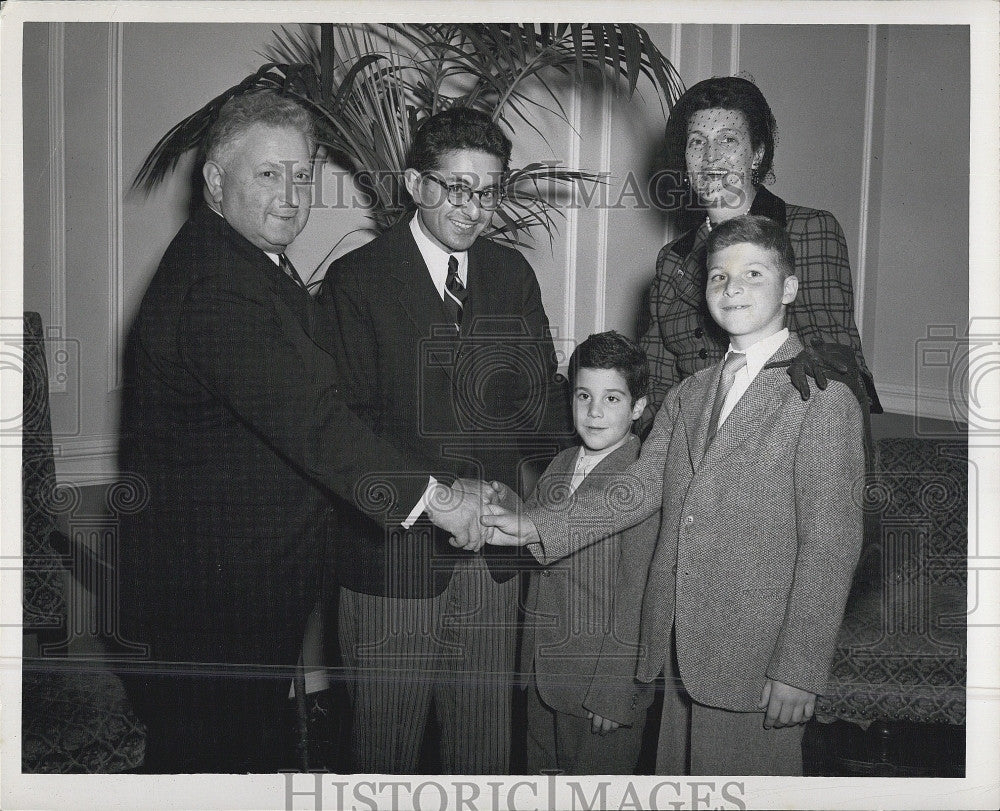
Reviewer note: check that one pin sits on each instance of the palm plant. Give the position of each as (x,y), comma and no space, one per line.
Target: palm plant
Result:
(370,86)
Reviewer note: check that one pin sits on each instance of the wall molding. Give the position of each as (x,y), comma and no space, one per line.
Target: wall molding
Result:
(604,214)
(575,139)
(734,50)
(675,45)
(83,461)
(866,179)
(116,269)
(56,324)
(934,403)
(676,57)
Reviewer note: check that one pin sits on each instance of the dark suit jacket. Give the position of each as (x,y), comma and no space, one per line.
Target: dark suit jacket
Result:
(485,400)
(581,627)
(233,419)
(759,538)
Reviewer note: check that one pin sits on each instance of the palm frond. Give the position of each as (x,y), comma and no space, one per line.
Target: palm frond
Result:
(191,131)
(369,85)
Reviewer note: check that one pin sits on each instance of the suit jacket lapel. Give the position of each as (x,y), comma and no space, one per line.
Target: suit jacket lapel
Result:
(412,285)
(615,462)
(696,411)
(478,302)
(756,405)
(284,288)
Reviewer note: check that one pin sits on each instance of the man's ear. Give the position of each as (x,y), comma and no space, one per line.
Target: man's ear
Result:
(639,406)
(213,174)
(412,180)
(790,290)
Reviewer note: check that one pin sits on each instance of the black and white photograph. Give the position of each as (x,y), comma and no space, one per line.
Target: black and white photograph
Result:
(434,406)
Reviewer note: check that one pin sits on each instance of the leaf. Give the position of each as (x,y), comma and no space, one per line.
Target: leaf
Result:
(370,85)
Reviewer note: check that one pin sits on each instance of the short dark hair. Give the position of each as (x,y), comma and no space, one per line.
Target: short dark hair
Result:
(455,129)
(725,93)
(242,112)
(612,350)
(754,230)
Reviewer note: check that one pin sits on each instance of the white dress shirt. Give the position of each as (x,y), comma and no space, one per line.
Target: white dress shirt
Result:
(436,258)
(586,462)
(758,355)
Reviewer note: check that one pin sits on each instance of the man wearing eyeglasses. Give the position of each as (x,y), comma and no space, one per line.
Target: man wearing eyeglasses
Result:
(450,354)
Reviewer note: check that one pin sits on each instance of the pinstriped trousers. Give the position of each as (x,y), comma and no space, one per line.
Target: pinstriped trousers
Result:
(457,649)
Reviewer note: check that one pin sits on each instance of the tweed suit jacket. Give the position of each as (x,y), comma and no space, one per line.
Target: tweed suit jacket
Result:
(581,630)
(483,401)
(681,338)
(233,421)
(759,535)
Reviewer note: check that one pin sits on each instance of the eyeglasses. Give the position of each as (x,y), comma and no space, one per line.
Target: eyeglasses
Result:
(459,194)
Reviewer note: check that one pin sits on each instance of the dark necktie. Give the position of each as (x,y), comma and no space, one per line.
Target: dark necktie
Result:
(289,270)
(733,363)
(454,292)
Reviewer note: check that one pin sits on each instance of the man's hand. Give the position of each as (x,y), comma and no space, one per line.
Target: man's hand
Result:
(600,725)
(456,510)
(786,705)
(486,492)
(512,529)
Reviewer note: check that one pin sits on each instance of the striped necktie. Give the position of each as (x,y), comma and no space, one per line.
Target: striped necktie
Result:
(289,270)
(733,363)
(454,292)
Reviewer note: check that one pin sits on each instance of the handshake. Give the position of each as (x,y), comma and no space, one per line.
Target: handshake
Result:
(478,513)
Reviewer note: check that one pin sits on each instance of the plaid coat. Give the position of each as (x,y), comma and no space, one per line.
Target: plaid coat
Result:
(681,336)
(759,536)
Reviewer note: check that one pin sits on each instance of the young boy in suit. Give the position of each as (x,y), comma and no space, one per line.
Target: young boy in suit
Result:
(585,709)
(761,526)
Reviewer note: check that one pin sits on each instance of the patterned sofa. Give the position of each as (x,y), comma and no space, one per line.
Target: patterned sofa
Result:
(75,716)
(896,701)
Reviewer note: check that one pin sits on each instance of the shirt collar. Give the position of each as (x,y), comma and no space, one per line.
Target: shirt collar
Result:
(436,259)
(588,461)
(760,353)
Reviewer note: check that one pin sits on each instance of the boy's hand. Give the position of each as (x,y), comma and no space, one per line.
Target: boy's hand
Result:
(600,725)
(510,528)
(505,496)
(786,705)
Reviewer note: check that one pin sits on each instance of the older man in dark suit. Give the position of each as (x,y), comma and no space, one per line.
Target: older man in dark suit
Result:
(450,355)
(233,417)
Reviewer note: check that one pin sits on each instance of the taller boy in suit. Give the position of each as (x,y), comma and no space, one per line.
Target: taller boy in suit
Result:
(761,527)
(449,354)
(233,420)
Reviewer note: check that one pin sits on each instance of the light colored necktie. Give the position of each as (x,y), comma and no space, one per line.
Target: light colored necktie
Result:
(454,292)
(733,363)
